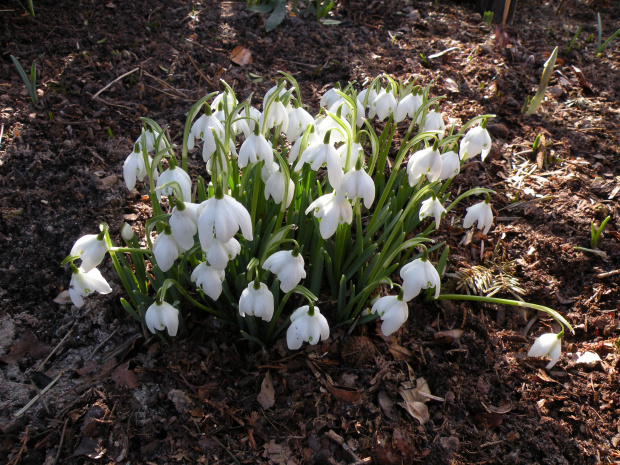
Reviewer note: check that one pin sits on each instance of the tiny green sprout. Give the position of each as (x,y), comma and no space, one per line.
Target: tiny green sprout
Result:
(596,233)
(110,133)
(618,344)
(488,18)
(29,82)
(571,44)
(544,82)
(536,144)
(600,253)
(601,46)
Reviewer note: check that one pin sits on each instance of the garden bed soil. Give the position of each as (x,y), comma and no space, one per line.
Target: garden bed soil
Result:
(120,395)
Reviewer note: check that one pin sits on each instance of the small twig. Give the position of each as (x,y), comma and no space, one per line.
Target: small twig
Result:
(227,451)
(200,72)
(102,343)
(608,274)
(116,80)
(165,84)
(1,134)
(42,364)
(35,398)
(62,440)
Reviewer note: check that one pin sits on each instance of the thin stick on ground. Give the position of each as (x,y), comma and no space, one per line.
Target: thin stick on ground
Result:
(116,80)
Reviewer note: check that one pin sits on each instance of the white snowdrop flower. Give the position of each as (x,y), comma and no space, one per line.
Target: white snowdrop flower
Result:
(269,95)
(476,141)
(178,175)
(357,183)
(254,115)
(547,345)
(434,122)
(368,94)
(84,283)
(208,279)
(288,266)
(383,105)
(267,170)
(432,207)
(426,162)
(346,113)
(329,97)
(356,153)
(333,209)
(319,155)
(408,106)
(221,218)
(240,125)
(450,165)
(127,232)
(323,124)
(255,148)
(134,169)
(276,186)
(276,115)
(220,253)
(417,275)
(222,166)
(224,98)
(257,301)
(307,325)
(293,155)
(184,224)
(393,311)
(166,250)
(298,120)
(203,129)
(480,213)
(91,248)
(162,315)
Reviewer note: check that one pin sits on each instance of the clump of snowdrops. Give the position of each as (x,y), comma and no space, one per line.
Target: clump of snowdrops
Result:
(298,212)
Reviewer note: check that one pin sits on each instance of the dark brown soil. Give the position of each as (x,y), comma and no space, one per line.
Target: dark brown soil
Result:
(120,397)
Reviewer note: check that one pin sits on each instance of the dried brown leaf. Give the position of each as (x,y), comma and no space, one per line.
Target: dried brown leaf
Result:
(266,397)
(241,56)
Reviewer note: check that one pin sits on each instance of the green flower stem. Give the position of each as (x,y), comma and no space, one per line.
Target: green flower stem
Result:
(255,191)
(171,282)
(493,300)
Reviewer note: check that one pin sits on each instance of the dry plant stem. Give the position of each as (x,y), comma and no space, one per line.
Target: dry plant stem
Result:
(42,364)
(116,80)
(35,398)
(62,440)
(608,274)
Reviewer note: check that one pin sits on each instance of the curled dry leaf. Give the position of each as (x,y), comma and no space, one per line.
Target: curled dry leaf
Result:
(241,56)
(266,397)
(416,409)
(447,337)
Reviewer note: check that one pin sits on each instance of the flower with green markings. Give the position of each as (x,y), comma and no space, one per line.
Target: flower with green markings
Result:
(480,213)
(84,283)
(257,300)
(333,209)
(307,325)
(417,275)
(288,266)
(393,311)
(432,207)
(91,248)
(160,316)
(208,279)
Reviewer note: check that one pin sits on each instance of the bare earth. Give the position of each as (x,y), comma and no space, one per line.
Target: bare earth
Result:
(120,395)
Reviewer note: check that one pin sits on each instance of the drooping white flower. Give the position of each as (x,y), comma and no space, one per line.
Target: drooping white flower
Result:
(208,279)
(366,97)
(83,283)
(333,209)
(293,155)
(222,218)
(319,155)
(346,113)
(134,169)
(275,115)
(432,207)
(150,138)
(480,213)
(547,345)
(450,165)
(127,232)
(383,105)
(257,302)
(204,129)
(337,134)
(393,311)
(160,316)
(288,266)
(434,122)
(426,162)
(166,250)
(276,185)
(357,183)
(329,97)
(417,275)
(476,141)
(356,152)
(408,106)
(298,120)
(255,148)
(306,326)
(184,224)
(220,253)
(91,249)
(178,175)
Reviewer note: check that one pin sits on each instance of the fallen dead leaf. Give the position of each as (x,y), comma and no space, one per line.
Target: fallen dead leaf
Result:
(266,396)
(416,409)
(343,393)
(447,337)
(387,405)
(27,344)
(125,377)
(241,56)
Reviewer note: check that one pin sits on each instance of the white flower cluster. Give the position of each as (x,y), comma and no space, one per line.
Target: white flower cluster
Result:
(331,141)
